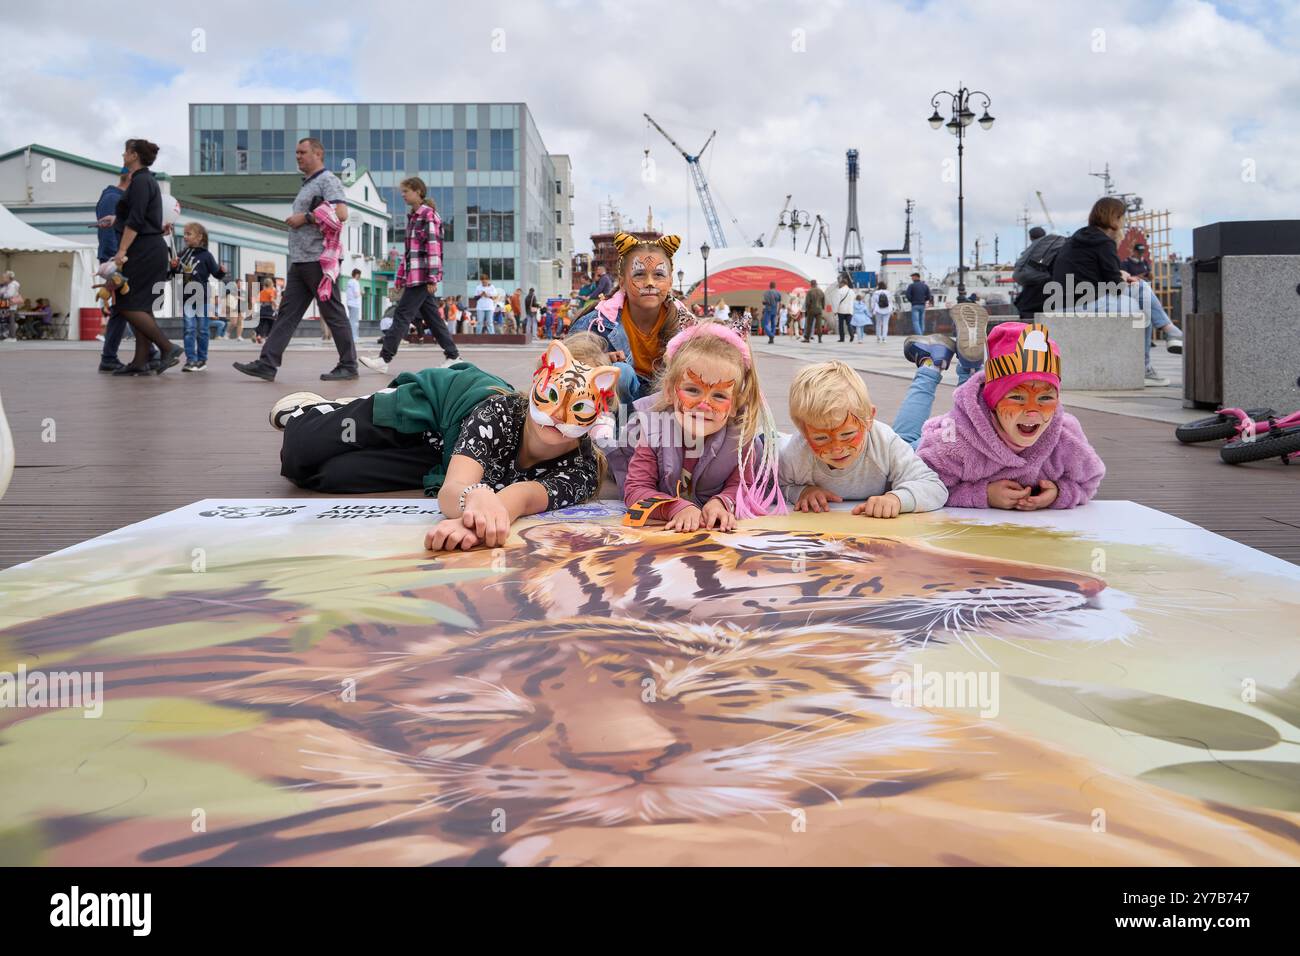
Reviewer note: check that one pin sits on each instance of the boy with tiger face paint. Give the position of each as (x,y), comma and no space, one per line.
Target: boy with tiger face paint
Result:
(841,453)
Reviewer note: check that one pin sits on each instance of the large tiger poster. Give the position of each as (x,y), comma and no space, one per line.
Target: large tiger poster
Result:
(254,682)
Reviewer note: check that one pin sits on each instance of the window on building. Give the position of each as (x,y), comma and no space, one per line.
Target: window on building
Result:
(378,242)
(227,256)
(241,150)
(559,187)
(498,270)
(435,150)
(272,150)
(559,218)
(501,149)
(471,149)
(388,154)
(340,145)
(559,245)
(365,240)
(490,215)
(441,195)
(212,157)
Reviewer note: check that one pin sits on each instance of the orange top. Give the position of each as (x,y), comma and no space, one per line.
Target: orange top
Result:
(266,295)
(645,346)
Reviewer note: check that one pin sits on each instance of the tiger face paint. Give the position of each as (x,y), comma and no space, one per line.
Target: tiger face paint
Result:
(1023,414)
(567,396)
(704,397)
(647,278)
(840,446)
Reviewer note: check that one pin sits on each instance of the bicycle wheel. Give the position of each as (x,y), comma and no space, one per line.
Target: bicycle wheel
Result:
(1216,427)
(1273,444)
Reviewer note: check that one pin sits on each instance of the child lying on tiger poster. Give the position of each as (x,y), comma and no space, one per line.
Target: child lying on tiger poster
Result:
(839,452)
(489,454)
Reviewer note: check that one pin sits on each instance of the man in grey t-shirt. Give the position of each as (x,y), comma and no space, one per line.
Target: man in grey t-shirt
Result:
(305,247)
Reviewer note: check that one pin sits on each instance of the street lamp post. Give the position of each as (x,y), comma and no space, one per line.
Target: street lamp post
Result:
(680,276)
(962,116)
(704,253)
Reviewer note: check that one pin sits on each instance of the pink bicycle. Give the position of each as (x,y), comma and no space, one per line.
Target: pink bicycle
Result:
(1253,434)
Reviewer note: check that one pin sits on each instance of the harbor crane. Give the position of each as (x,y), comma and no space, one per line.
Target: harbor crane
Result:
(780,220)
(701,184)
(1051,225)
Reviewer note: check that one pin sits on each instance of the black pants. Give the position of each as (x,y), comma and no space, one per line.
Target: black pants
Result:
(416,301)
(344,452)
(810,326)
(299,293)
(845,323)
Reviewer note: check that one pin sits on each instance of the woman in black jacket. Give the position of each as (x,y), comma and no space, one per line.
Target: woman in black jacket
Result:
(1087,268)
(143,258)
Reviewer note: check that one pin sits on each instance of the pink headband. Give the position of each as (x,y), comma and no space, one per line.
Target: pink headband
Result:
(724,332)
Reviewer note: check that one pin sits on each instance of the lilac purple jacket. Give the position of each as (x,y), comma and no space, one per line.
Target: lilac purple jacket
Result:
(976,455)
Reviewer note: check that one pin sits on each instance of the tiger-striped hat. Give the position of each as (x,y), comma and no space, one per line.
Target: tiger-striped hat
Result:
(1019,353)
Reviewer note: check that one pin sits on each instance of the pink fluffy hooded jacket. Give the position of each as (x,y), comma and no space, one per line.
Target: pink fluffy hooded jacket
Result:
(975,455)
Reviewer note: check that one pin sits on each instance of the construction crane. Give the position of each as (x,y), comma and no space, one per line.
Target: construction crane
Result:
(1051,225)
(822,235)
(701,184)
(780,220)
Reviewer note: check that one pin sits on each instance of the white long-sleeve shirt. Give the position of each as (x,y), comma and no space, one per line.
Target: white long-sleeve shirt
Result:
(887,463)
(841,299)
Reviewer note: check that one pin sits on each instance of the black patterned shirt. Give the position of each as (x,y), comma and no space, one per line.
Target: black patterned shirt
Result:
(491,434)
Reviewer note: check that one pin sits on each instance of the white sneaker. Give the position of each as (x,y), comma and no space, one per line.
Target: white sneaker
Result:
(450,362)
(1152,380)
(99,338)
(280,411)
(374,363)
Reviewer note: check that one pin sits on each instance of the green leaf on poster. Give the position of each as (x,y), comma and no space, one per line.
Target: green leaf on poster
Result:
(1154,715)
(1255,783)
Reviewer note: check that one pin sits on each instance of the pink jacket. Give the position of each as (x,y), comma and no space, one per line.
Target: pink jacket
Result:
(331,257)
(977,456)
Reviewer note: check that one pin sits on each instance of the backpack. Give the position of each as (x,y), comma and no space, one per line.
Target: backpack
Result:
(882,300)
(1036,269)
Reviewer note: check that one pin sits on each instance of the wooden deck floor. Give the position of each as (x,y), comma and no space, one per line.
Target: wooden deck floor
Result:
(96,453)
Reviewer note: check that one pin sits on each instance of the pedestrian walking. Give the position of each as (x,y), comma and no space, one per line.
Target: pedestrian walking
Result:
(306,246)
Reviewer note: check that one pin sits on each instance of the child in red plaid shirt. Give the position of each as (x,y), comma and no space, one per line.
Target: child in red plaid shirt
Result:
(418,273)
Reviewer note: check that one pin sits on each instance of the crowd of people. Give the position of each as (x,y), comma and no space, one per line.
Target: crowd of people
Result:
(1056,274)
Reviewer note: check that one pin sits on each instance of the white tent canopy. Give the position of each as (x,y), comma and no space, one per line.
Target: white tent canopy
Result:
(48,267)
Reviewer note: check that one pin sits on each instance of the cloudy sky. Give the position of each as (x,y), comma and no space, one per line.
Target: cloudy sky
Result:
(1191,103)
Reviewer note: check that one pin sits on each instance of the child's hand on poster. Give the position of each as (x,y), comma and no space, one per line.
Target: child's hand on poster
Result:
(887,505)
(1006,494)
(450,534)
(717,515)
(688,519)
(486,515)
(1041,497)
(816,499)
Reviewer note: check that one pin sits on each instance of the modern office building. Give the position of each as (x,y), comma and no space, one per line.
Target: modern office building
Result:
(485,164)
(563,224)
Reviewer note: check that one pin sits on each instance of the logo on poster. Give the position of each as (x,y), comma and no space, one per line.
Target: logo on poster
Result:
(251,511)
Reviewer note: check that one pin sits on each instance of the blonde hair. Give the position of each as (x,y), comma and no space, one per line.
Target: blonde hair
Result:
(823,395)
(747,399)
(587,347)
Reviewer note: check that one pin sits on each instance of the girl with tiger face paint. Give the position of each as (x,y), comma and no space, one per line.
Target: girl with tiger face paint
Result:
(701,463)
(637,321)
(1006,443)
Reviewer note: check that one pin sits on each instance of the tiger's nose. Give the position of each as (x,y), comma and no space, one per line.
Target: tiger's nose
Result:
(621,735)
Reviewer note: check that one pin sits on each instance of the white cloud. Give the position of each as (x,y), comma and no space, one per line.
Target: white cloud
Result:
(1179,98)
